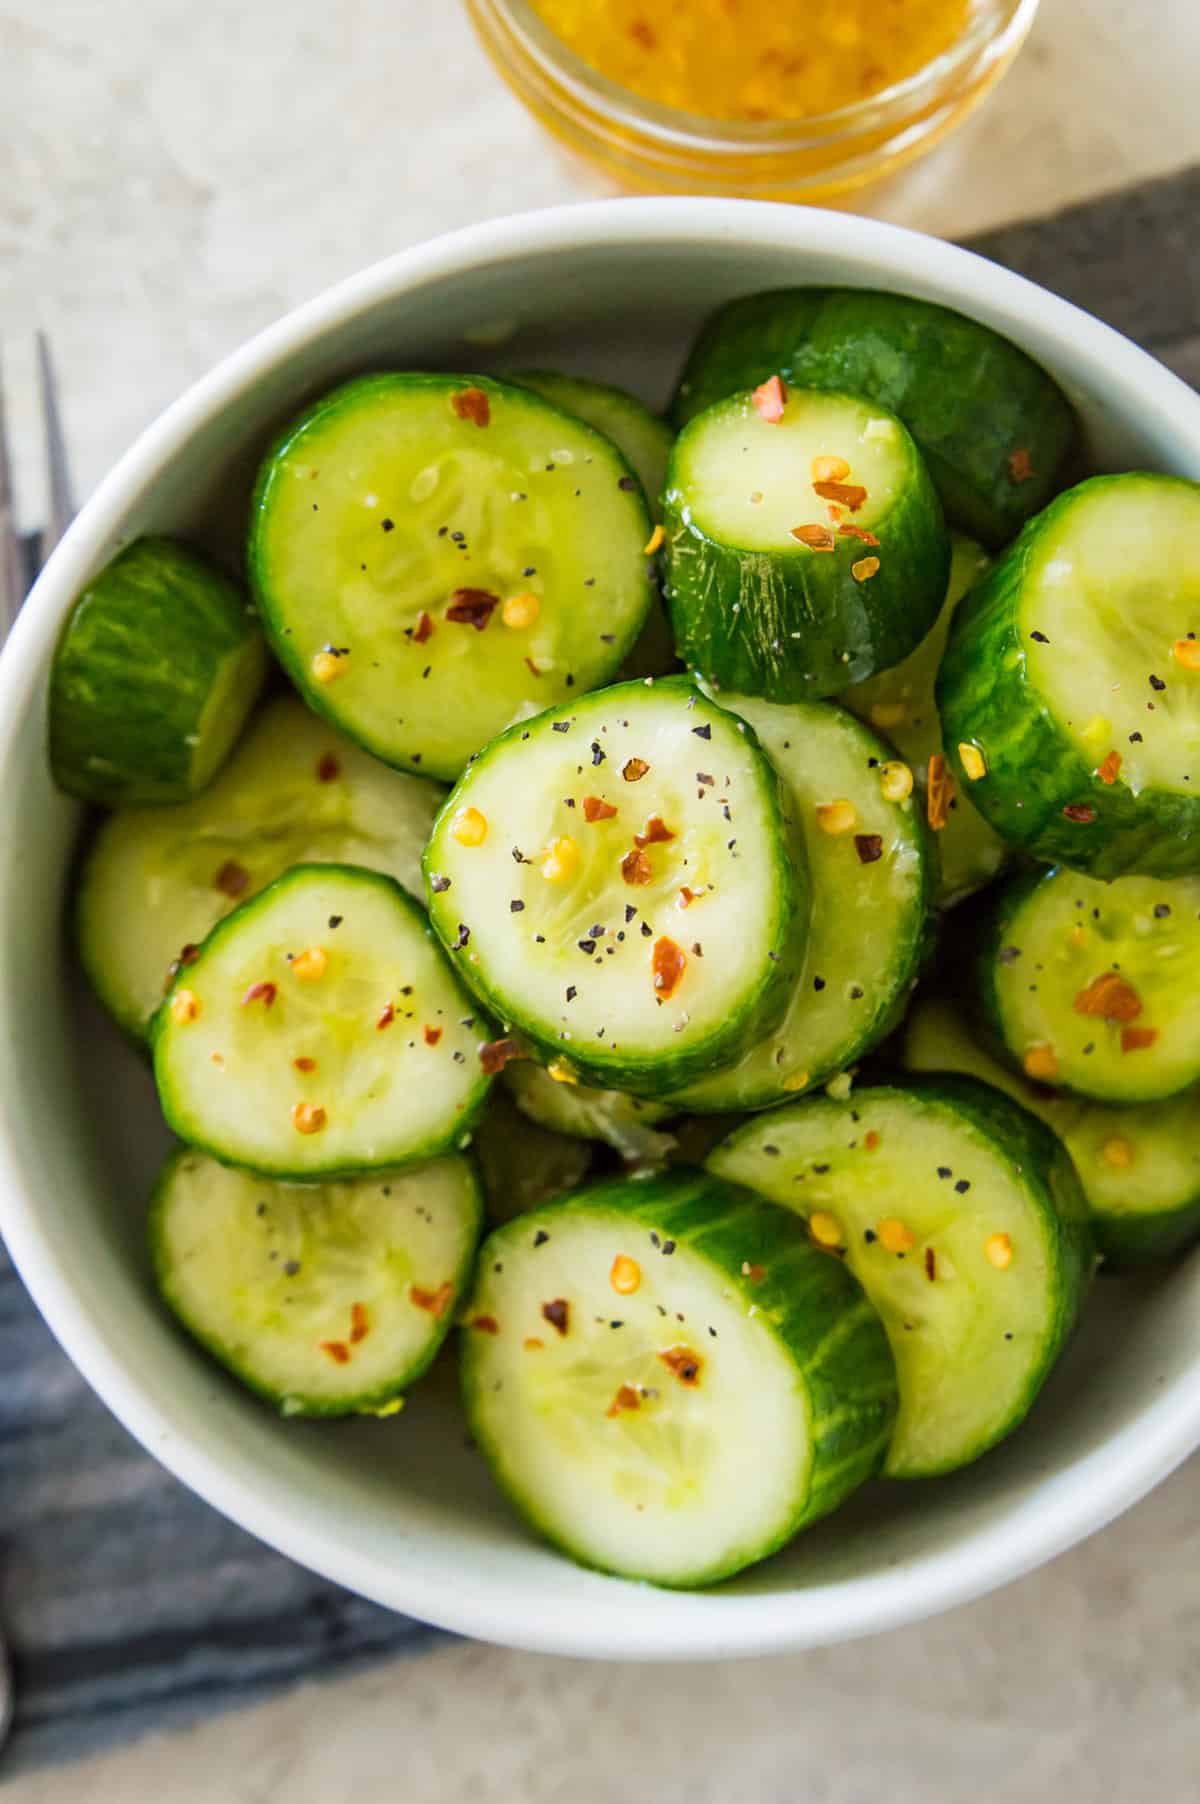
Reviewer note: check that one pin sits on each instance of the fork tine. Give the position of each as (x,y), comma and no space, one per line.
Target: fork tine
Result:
(12,561)
(60,506)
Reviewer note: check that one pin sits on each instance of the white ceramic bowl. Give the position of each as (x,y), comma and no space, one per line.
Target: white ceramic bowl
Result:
(402,1511)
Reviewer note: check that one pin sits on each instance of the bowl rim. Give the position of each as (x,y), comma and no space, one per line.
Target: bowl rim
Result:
(1068,1506)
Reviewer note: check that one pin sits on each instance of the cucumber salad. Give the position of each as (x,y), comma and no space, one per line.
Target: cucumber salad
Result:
(692,917)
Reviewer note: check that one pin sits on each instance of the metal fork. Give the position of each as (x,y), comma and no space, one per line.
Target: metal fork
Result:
(19,564)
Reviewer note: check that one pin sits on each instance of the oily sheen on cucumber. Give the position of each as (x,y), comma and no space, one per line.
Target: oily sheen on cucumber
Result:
(900,703)
(668,1381)
(642,438)
(156,879)
(157,667)
(615,879)
(1070,689)
(1093,986)
(805,545)
(326,1299)
(873,876)
(437,556)
(1139,1166)
(962,1217)
(319,1032)
(993,426)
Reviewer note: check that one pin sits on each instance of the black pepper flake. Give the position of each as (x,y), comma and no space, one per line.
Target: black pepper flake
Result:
(1009,955)
(572,992)
(772,1152)
(1040,637)
(668,1246)
(647,930)
(438,883)
(704,732)
(628,483)
(963,1185)
(818,984)
(588,946)
(820,1170)
(856,992)
(1156,682)
(519,856)
(869,1235)
(630,911)
(560,726)
(616,1324)
(944,1171)
(1135,739)
(529,570)
(869,847)
(516,906)
(291,1267)
(460,1058)
(464,934)
(1161,910)
(653,1238)
(598,753)
(608,638)
(703,777)
(335,921)
(540,1238)
(388,525)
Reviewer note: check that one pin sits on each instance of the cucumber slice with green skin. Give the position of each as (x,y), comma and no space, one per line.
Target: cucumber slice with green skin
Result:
(642,438)
(668,1380)
(158,665)
(1093,986)
(994,428)
(156,880)
(334,967)
(624,1122)
(873,884)
(962,1217)
(900,703)
(1139,1167)
(1069,678)
(437,556)
(328,1299)
(760,611)
(640,966)
(524,1164)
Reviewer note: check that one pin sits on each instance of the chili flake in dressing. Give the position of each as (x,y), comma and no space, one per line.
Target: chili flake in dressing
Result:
(737,59)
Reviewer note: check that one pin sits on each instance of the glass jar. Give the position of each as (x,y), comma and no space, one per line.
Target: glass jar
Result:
(657,149)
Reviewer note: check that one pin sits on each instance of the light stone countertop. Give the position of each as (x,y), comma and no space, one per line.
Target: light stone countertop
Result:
(172,178)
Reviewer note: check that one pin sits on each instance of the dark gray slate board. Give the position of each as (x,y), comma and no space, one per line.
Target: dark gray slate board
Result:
(132,1606)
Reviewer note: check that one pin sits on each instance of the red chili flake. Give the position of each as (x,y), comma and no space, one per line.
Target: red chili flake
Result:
(187,956)
(304,1064)
(857,532)
(817,538)
(770,399)
(686,897)
(1110,770)
(1083,812)
(558,1314)
(337,1350)
(930,1264)
(472,607)
(496,1054)
(360,1325)
(263,992)
(596,810)
(846,494)
(386,1016)
(634,769)
(486,1324)
(654,833)
(432,1035)
(472,404)
(755,1273)
(869,847)
(871,1140)
(636,867)
(668,963)
(233,879)
(424,629)
(436,1302)
(1136,1039)
(1111,996)
(626,1398)
(940,792)
(532,668)
(685,1364)
(1019,467)
(328,768)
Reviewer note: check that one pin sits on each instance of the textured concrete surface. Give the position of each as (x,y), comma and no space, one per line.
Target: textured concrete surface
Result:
(171,178)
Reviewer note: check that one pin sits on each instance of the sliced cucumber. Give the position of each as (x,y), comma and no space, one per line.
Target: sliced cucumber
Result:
(295,792)
(560,1101)
(993,426)
(962,1217)
(668,1380)
(1071,682)
(900,702)
(522,1163)
(436,556)
(616,880)
(873,875)
(803,551)
(158,665)
(325,1299)
(643,439)
(1139,1167)
(319,1032)
(1093,986)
